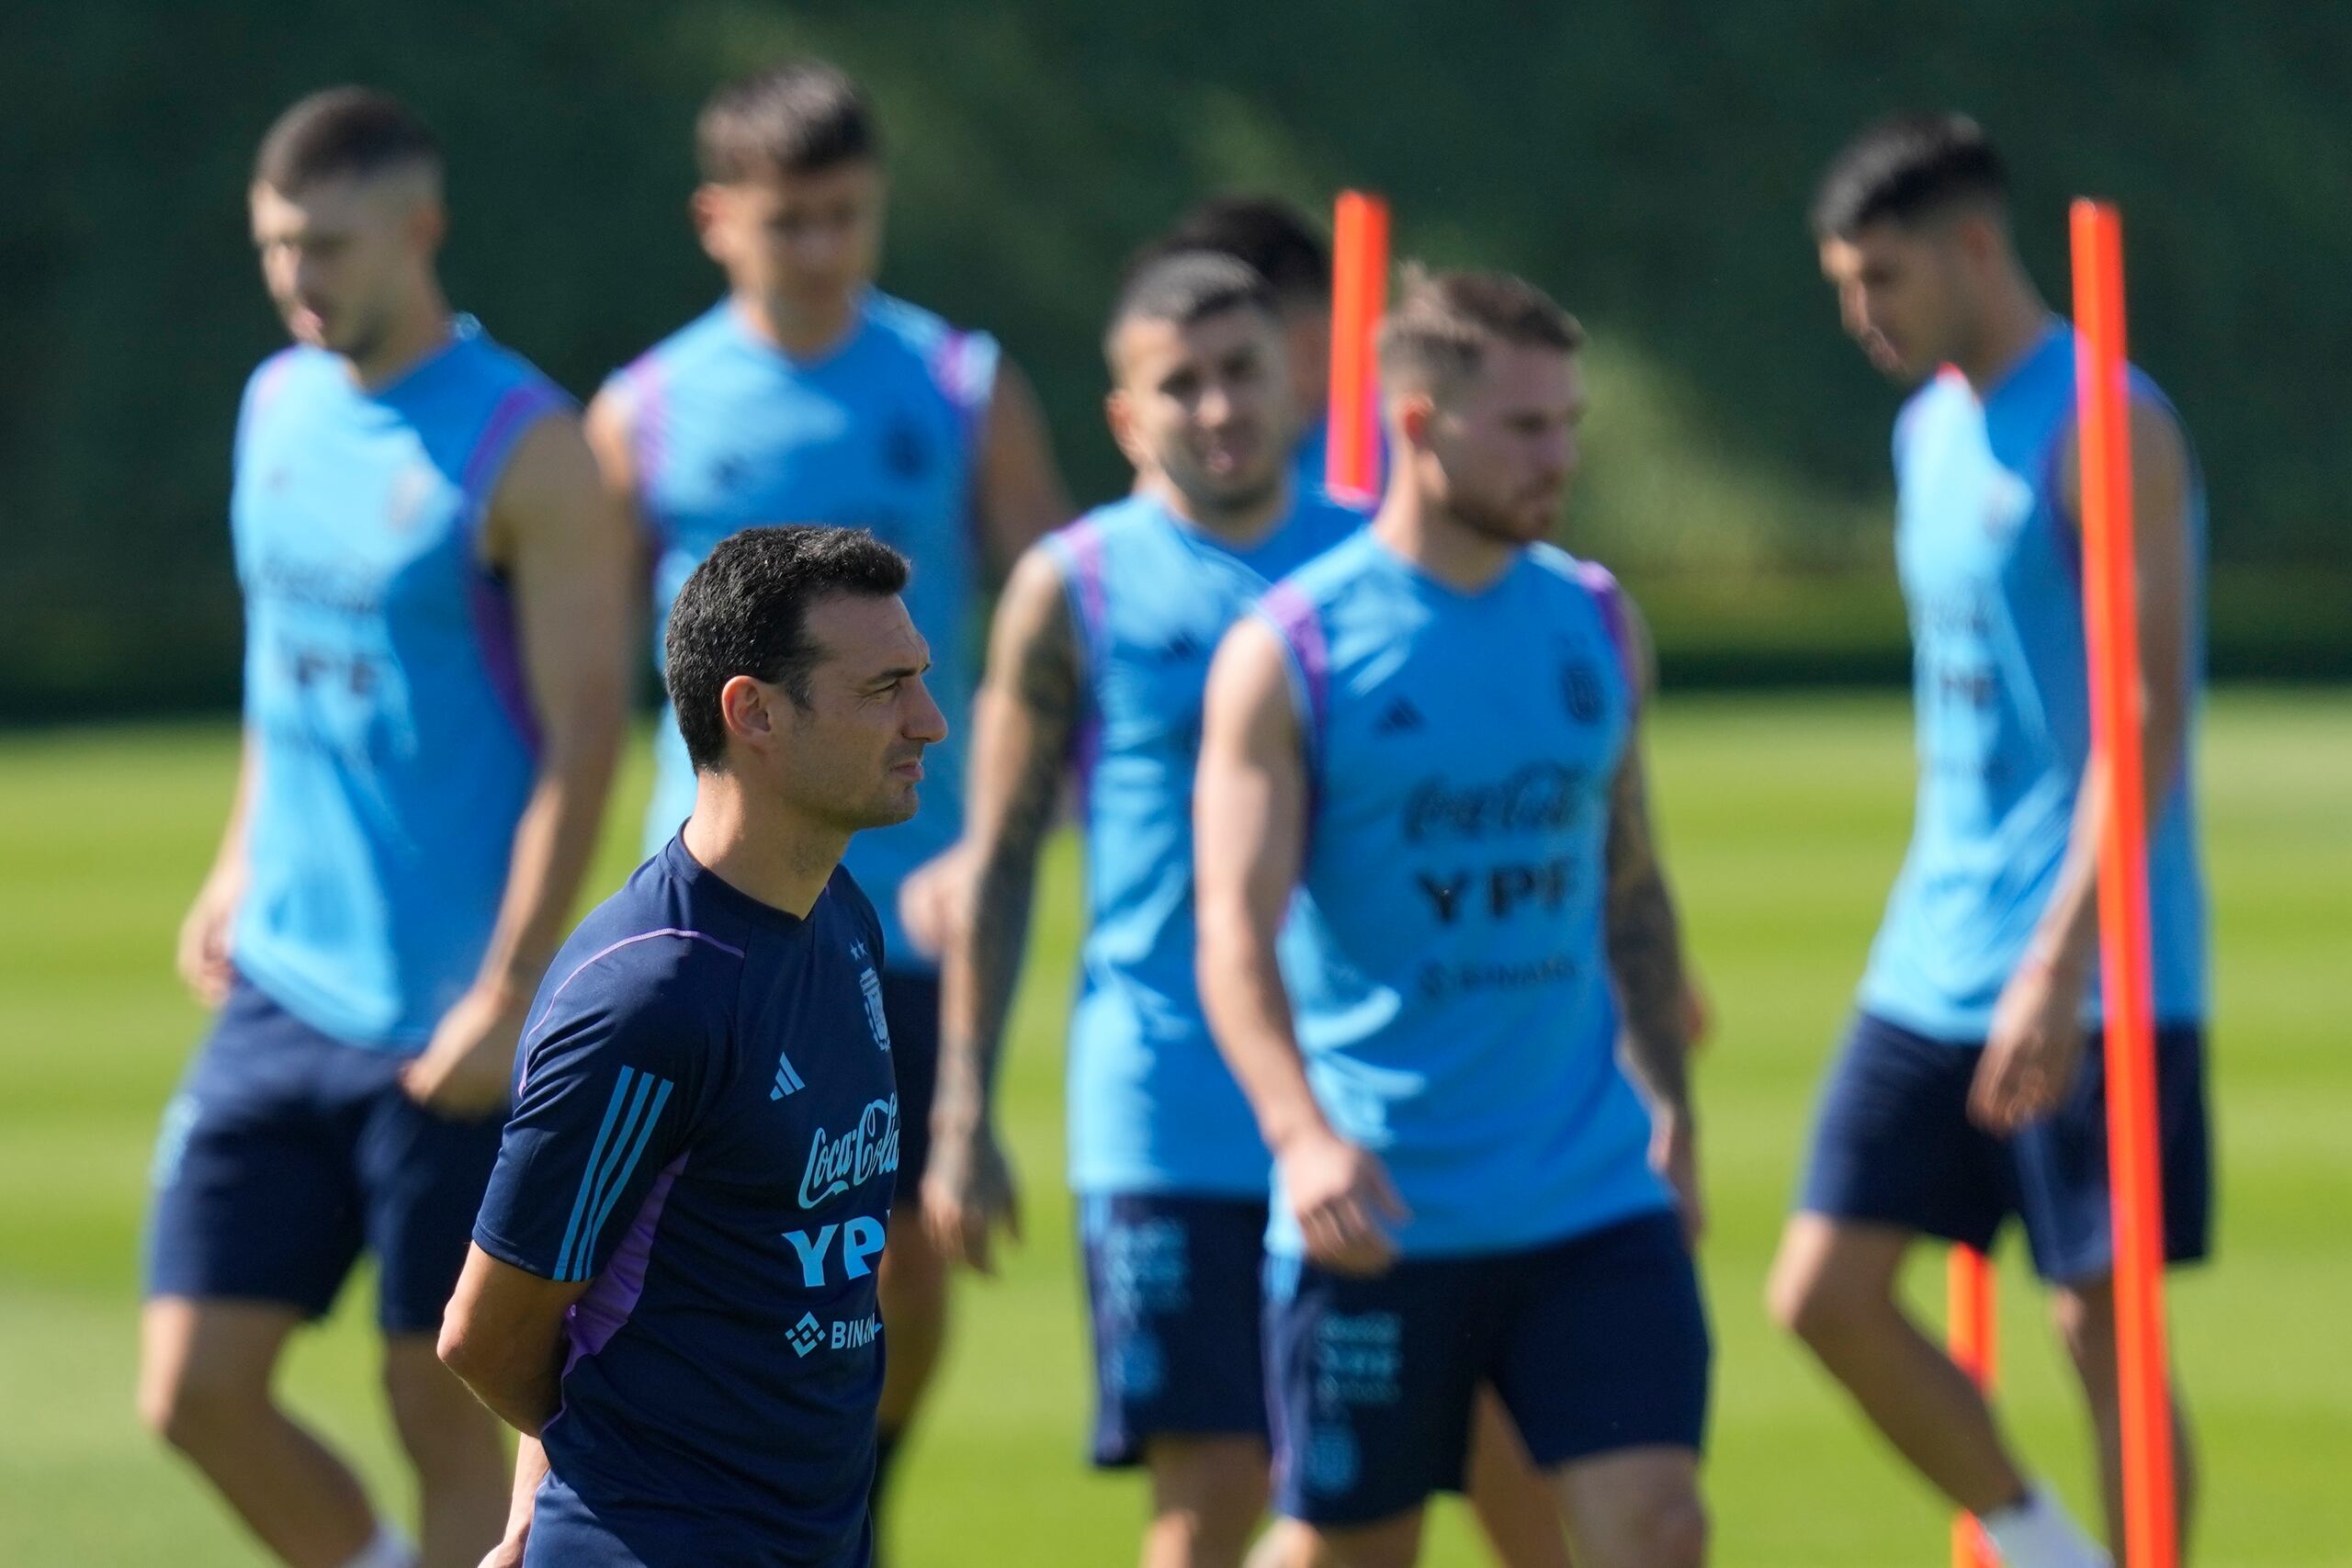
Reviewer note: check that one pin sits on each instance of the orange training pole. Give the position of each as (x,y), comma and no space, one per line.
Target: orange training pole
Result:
(1359,294)
(2112,623)
(1970,1325)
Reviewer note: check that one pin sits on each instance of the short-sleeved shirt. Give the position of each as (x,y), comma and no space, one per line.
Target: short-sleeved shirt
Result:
(705,1125)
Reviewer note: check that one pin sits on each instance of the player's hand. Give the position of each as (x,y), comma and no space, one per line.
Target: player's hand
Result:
(968,1193)
(507,1553)
(2033,1051)
(203,954)
(1674,1155)
(466,1070)
(1345,1205)
(935,900)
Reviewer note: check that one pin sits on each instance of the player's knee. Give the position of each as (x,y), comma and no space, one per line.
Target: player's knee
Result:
(1672,1532)
(2085,1324)
(1212,1493)
(1797,1300)
(196,1408)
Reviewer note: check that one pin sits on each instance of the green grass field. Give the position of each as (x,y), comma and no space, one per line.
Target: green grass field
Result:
(1784,818)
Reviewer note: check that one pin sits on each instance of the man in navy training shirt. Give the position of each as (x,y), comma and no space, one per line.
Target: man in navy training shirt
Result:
(671,1292)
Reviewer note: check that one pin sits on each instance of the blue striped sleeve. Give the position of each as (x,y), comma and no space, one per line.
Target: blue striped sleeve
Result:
(598,1115)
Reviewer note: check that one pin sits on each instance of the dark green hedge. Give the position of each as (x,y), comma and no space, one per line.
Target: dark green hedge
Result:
(1649,161)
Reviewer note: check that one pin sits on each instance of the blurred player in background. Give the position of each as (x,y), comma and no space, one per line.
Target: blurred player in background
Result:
(1098,657)
(676,1250)
(1963,1094)
(805,395)
(432,697)
(1421,766)
(1283,245)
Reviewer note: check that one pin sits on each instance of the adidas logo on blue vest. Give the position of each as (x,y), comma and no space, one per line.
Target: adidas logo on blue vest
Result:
(1397,717)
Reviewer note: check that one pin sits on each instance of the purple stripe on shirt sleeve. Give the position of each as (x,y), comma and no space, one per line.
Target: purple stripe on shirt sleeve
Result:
(599,1314)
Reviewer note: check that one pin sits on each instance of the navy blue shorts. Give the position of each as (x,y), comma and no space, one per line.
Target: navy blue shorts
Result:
(1595,1344)
(911,1007)
(1894,1146)
(287,1152)
(1173,1285)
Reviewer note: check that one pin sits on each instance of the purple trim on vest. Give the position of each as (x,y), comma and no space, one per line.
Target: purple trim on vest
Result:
(515,413)
(648,438)
(489,604)
(1295,620)
(599,1314)
(1294,615)
(1081,547)
(1610,599)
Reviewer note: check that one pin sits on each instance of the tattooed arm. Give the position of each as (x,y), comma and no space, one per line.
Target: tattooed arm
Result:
(1646,954)
(1023,719)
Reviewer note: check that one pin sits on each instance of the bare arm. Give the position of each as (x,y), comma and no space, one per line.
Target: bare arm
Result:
(567,553)
(1248,832)
(1024,717)
(503,1335)
(2036,1041)
(203,957)
(530,1468)
(1645,937)
(1019,490)
(1645,962)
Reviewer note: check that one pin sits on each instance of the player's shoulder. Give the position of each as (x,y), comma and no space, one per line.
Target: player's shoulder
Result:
(655,940)
(288,369)
(1940,396)
(1588,578)
(960,362)
(707,339)
(1112,522)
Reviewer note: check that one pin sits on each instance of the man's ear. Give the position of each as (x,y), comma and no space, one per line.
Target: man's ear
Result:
(748,708)
(1414,414)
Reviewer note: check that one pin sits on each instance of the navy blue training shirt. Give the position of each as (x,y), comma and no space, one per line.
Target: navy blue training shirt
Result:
(705,1125)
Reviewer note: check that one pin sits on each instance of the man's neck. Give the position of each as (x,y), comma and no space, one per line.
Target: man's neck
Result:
(415,336)
(801,333)
(1440,544)
(2015,320)
(1239,527)
(761,847)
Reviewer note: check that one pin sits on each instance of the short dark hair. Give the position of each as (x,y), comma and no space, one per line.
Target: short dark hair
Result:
(1186,287)
(801,116)
(342,133)
(744,611)
(1438,332)
(1266,233)
(1906,169)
